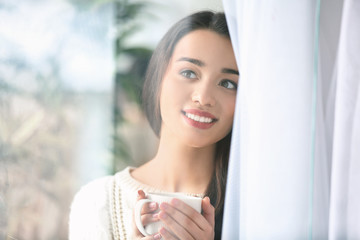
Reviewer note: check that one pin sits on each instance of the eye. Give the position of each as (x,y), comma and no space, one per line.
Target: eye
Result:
(188,74)
(228,84)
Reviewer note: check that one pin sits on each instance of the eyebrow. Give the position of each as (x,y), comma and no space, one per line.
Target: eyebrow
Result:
(192,60)
(231,71)
(201,64)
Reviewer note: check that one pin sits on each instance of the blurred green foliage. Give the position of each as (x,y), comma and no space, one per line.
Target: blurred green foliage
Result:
(39,120)
(128,82)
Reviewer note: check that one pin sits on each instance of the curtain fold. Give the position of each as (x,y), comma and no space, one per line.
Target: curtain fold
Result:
(294,169)
(344,222)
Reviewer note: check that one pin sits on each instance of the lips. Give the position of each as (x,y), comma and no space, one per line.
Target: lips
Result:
(199,119)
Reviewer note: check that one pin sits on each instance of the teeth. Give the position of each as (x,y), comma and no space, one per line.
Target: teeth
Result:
(198,118)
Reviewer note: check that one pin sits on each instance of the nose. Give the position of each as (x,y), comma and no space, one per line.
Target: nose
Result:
(203,95)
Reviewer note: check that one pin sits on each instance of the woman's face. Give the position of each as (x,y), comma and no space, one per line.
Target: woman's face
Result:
(198,91)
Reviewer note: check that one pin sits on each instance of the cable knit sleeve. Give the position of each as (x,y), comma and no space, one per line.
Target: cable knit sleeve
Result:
(89,215)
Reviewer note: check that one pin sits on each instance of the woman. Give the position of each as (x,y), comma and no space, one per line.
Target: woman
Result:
(189,99)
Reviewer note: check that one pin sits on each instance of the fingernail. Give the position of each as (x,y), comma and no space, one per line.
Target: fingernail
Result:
(152,205)
(156,216)
(162,230)
(164,205)
(175,201)
(157,236)
(163,215)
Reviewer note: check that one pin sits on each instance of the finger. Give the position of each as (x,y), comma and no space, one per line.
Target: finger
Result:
(166,234)
(146,217)
(208,211)
(155,236)
(141,194)
(181,225)
(149,218)
(145,220)
(190,213)
(149,208)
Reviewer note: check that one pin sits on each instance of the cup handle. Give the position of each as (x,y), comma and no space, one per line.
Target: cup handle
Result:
(137,215)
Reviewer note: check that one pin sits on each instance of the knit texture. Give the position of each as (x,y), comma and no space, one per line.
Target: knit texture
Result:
(103,208)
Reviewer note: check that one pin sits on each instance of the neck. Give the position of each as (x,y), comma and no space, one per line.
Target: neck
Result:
(182,168)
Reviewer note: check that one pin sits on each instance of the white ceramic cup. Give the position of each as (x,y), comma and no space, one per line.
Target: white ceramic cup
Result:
(194,202)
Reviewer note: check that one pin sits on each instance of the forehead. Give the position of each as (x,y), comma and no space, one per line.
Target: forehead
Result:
(207,46)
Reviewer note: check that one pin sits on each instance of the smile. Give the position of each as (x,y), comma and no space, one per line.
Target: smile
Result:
(199,119)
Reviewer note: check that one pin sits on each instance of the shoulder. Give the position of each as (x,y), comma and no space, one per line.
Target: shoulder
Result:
(93,192)
(89,214)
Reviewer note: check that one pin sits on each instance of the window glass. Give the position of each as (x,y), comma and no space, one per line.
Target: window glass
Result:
(70,80)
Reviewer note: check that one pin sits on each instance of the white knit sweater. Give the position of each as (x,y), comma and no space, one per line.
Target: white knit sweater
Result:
(103,208)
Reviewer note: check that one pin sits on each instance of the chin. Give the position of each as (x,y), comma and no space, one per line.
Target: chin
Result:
(199,144)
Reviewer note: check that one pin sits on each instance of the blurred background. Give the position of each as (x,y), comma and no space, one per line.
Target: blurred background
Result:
(71,73)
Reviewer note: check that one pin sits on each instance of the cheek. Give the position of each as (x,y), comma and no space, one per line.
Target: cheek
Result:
(170,98)
(168,94)
(168,84)
(174,90)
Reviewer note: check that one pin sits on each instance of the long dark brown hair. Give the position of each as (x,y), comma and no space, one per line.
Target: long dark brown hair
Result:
(158,64)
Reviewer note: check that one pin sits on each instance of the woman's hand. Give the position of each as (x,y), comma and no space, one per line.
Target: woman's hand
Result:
(185,222)
(147,216)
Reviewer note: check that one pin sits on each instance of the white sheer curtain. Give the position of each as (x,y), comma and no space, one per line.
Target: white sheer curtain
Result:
(294,169)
